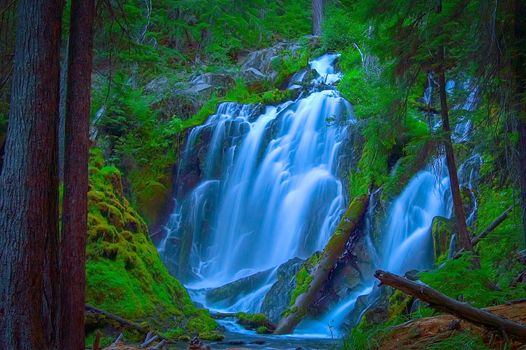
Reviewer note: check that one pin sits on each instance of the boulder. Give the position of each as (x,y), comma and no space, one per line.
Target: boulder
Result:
(230,293)
(184,99)
(262,65)
(220,82)
(278,297)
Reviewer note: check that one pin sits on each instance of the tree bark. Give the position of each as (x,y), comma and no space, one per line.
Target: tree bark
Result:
(317,16)
(75,204)
(444,303)
(458,208)
(29,184)
(519,71)
(333,250)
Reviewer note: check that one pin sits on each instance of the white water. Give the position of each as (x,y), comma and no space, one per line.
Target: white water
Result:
(269,189)
(408,241)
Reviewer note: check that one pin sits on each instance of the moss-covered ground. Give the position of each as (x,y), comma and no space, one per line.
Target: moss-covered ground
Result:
(125,275)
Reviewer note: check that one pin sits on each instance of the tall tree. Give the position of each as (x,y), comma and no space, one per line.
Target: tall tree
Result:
(75,205)
(317,16)
(458,207)
(29,184)
(519,71)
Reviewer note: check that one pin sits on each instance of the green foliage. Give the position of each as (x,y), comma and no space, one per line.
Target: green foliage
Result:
(342,28)
(492,283)
(178,33)
(3,126)
(125,274)
(367,336)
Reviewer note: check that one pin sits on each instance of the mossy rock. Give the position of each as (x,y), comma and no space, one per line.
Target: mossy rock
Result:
(257,322)
(125,275)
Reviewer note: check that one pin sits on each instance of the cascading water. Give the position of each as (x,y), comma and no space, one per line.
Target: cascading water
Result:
(268,189)
(407,241)
(265,188)
(407,244)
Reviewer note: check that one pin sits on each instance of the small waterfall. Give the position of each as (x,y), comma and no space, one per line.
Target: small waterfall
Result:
(407,243)
(267,188)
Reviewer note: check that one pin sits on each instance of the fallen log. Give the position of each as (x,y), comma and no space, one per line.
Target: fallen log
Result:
(475,240)
(114,317)
(441,302)
(333,250)
(492,226)
(424,333)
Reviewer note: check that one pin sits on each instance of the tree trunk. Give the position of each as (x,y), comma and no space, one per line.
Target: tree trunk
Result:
(444,303)
(75,207)
(458,208)
(29,184)
(317,16)
(333,250)
(519,70)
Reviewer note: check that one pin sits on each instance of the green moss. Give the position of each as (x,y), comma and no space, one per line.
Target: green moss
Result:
(303,279)
(263,330)
(254,322)
(125,274)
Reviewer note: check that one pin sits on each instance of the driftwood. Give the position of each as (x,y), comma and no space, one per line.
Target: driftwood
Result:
(333,250)
(117,341)
(150,338)
(161,345)
(443,303)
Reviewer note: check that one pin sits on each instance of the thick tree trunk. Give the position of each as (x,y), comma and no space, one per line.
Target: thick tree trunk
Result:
(317,16)
(333,250)
(29,184)
(75,207)
(519,69)
(444,303)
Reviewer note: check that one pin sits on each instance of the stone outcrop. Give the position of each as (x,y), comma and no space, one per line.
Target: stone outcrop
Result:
(278,297)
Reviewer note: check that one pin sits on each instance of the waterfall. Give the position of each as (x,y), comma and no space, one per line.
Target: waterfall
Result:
(407,243)
(268,188)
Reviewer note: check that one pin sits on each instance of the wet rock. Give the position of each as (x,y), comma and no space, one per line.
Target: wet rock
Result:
(253,74)
(219,81)
(158,86)
(257,322)
(197,344)
(262,65)
(441,231)
(278,297)
(229,293)
(184,98)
